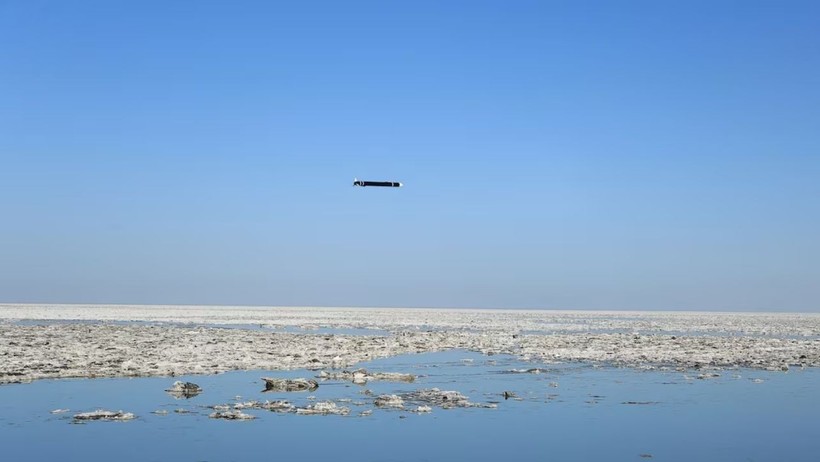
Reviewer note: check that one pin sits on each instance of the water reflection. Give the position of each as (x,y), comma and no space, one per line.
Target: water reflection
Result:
(551,412)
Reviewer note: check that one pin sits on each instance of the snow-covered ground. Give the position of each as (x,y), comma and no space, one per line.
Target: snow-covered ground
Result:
(51,341)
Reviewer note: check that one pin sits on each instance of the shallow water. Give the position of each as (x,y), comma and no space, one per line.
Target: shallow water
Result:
(587,416)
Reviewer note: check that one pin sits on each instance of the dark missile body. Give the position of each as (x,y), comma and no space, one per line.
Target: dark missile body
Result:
(389,184)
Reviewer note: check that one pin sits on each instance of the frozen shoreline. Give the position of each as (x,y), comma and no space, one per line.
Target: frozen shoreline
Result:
(182,341)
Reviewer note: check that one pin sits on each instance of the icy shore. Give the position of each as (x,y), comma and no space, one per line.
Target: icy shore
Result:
(54,341)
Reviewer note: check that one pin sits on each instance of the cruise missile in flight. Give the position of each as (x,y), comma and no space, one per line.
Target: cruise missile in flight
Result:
(389,184)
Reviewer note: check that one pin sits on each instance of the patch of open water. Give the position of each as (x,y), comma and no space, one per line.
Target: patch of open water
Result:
(563,412)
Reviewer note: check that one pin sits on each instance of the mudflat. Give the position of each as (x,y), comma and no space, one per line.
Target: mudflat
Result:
(84,341)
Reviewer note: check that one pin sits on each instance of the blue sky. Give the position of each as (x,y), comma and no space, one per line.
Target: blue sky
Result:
(564,155)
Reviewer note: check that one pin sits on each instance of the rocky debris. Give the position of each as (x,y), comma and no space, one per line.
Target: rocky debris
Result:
(534,370)
(362,376)
(423,409)
(184,390)
(366,413)
(231,415)
(160,412)
(442,399)
(392,377)
(60,411)
(509,394)
(357,377)
(640,403)
(553,384)
(323,408)
(390,401)
(102,414)
(290,384)
(245,404)
(275,406)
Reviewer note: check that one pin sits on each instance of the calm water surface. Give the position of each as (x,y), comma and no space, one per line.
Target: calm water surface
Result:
(593,414)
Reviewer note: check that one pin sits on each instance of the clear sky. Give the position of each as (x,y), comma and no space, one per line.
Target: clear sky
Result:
(564,155)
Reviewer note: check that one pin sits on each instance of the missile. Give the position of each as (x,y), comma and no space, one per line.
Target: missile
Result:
(389,184)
